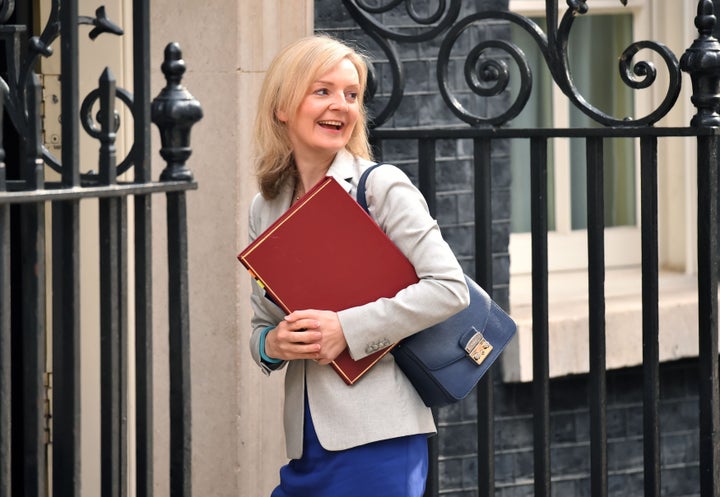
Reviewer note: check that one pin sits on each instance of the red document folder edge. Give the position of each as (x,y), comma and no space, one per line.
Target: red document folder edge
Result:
(327,253)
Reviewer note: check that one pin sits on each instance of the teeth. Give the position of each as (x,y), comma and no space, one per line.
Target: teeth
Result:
(337,124)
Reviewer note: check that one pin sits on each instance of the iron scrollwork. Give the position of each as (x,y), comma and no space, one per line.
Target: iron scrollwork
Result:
(487,74)
(92,126)
(7,7)
(433,25)
(642,75)
(20,71)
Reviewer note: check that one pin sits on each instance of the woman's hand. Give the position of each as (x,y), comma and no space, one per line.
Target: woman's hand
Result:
(307,334)
(298,339)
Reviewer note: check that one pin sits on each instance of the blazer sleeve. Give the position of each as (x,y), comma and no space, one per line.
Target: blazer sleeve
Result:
(265,313)
(402,213)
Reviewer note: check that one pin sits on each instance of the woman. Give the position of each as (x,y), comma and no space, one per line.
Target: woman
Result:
(368,439)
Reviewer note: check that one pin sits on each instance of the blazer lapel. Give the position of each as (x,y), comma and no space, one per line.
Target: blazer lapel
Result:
(344,170)
(276,207)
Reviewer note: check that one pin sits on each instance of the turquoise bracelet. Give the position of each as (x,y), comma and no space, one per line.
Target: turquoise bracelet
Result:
(264,356)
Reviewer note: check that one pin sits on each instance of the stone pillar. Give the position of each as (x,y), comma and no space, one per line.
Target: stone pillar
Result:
(237,441)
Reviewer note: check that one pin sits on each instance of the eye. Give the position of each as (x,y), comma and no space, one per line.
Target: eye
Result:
(351,96)
(321,91)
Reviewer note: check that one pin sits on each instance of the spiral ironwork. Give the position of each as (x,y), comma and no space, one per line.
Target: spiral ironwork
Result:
(488,76)
(7,7)
(92,125)
(445,14)
(640,69)
(22,64)
(485,69)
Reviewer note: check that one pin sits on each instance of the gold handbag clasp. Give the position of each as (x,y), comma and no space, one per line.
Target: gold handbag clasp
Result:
(478,348)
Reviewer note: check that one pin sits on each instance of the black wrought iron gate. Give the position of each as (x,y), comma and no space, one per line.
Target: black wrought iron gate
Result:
(485,73)
(31,206)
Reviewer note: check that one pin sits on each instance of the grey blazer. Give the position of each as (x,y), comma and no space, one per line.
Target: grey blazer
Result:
(382,404)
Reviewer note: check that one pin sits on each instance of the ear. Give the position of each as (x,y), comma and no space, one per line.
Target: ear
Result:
(281,116)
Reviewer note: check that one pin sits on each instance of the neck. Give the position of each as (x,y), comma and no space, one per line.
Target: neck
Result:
(310,172)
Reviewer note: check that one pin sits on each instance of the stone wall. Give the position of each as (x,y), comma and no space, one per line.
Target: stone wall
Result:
(238,445)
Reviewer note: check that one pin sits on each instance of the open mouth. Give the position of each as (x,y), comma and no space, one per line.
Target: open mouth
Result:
(336,125)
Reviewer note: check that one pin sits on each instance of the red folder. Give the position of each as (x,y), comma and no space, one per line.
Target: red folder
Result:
(327,253)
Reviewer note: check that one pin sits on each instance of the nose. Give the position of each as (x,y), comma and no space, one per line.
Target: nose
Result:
(339,103)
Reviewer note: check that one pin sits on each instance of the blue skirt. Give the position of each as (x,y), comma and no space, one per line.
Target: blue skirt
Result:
(388,468)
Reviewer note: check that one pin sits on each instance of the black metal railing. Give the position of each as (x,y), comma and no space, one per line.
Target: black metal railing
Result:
(25,464)
(487,75)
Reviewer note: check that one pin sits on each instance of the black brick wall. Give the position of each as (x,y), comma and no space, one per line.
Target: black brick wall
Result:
(570,450)
(422,105)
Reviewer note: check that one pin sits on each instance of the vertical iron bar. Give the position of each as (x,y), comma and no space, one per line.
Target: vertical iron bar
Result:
(106,117)
(109,350)
(426,183)
(33,344)
(143,251)
(121,294)
(179,347)
(708,266)
(141,86)
(66,348)
(32,222)
(5,335)
(66,330)
(66,274)
(541,368)
(650,297)
(596,316)
(483,212)
(376,147)
(482,167)
(426,173)
(143,344)
(70,92)
(551,14)
(112,321)
(174,111)
(122,303)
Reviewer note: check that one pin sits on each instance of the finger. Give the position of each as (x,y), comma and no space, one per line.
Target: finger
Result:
(302,314)
(305,337)
(291,351)
(303,324)
(301,320)
(309,351)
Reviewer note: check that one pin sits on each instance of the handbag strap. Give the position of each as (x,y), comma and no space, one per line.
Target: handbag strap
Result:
(361,187)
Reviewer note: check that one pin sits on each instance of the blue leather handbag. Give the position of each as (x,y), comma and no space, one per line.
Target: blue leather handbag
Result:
(446,361)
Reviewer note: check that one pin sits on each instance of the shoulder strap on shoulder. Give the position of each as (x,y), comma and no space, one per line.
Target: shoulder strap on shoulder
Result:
(361,187)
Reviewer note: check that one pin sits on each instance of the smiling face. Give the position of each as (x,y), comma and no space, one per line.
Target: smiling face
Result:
(327,115)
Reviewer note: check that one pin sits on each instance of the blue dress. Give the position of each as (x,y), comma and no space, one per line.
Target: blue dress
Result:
(388,468)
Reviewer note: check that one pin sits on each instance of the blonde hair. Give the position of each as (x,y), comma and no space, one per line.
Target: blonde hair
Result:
(286,83)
